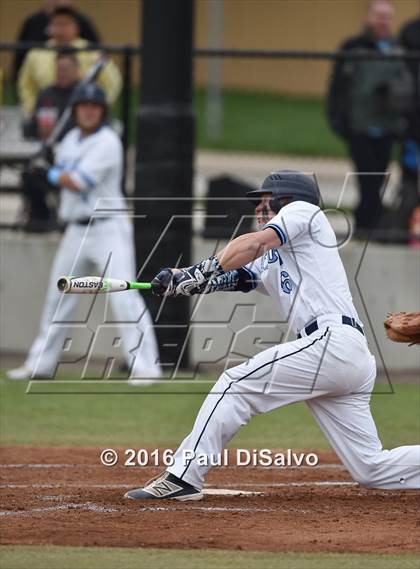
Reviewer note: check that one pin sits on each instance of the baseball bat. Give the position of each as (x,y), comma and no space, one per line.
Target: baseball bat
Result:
(97,285)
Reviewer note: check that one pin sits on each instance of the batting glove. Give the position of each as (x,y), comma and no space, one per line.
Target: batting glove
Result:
(162,284)
(187,281)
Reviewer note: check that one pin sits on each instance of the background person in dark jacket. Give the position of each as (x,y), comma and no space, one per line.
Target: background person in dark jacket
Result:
(54,99)
(409,198)
(39,199)
(35,28)
(367,105)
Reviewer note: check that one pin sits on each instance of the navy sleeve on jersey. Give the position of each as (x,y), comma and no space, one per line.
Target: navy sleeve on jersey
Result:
(247,280)
(292,221)
(280,233)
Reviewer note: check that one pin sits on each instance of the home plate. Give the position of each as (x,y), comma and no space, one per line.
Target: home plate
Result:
(225,492)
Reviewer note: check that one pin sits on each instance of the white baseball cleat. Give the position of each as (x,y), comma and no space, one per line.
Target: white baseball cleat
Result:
(19,373)
(166,486)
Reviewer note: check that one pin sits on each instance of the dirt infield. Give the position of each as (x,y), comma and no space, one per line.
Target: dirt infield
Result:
(64,496)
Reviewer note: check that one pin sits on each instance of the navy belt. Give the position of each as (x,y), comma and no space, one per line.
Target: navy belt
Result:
(88,220)
(344,319)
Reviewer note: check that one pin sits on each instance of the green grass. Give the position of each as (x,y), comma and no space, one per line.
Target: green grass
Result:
(162,415)
(271,123)
(109,558)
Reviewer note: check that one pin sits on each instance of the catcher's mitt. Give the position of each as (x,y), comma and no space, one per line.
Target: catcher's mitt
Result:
(403,327)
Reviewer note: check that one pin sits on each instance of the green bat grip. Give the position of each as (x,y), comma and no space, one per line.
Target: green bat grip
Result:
(140,286)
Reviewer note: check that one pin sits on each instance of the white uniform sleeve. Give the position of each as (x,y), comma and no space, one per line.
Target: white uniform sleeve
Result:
(92,169)
(292,222)
(62,148)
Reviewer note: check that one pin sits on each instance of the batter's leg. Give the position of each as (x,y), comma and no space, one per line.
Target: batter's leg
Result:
(138,338)
(116,254)
(348,425)
(276,377)
(44,353)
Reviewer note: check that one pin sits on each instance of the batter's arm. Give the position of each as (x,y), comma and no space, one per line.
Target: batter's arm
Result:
(246,248)
(66,181)
(57,178)
(224,271)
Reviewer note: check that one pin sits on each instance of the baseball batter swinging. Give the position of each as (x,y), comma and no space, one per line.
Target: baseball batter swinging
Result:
(294,259)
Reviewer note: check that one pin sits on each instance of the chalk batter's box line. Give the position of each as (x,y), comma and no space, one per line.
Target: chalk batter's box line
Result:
(277,468)
(92,507)
(227,485)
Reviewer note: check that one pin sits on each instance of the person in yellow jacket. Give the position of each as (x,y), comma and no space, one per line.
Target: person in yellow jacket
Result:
(38,69)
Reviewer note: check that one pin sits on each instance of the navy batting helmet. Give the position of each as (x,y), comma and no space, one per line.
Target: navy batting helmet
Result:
(286,184)
(89,93)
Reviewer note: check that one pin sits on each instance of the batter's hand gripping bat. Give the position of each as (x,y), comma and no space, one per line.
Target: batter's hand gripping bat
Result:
(97,285)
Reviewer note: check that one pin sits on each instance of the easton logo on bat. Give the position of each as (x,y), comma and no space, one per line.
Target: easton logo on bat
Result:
(95,284)
(88,284)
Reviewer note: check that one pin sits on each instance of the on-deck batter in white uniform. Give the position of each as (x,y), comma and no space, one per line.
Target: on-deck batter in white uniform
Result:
(98,242)
(329,366)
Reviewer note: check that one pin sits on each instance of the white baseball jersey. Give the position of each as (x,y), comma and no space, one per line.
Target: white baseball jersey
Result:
(95,163)
(304,276)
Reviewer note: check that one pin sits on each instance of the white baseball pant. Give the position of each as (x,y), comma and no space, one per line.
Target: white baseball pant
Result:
(106,247)
(334,372)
